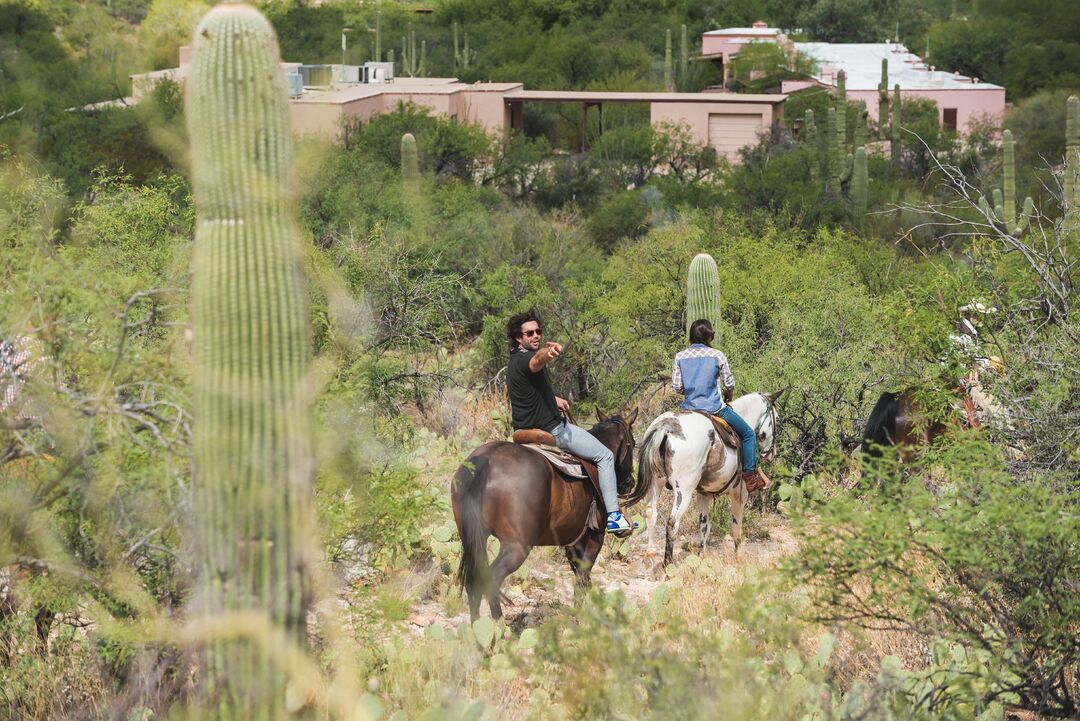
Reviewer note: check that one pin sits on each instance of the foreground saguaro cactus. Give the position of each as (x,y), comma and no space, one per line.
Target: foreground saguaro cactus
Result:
(252,357)
(703,291)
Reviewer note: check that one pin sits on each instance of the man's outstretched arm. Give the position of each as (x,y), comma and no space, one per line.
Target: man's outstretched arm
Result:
(545,355)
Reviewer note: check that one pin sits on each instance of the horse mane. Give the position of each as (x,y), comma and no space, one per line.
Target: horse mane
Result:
(881,425)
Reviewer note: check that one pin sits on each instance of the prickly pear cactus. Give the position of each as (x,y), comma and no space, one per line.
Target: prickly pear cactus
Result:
(703,291)
(252,356)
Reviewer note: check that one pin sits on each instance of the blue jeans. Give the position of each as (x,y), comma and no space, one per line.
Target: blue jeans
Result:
(584,444)
(746,433)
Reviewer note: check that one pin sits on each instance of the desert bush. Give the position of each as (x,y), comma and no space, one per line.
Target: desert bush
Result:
(962,553)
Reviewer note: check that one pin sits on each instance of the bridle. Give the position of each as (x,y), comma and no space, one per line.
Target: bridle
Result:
(771,415)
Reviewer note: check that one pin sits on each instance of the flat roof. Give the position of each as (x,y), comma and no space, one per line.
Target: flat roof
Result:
(744,31)
(415,86)
(861,62)
(621,97)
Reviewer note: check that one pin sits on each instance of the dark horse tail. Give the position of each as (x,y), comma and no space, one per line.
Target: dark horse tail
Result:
(473,572)
(881,426)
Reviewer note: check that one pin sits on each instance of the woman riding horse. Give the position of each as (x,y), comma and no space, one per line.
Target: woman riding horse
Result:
(698,373)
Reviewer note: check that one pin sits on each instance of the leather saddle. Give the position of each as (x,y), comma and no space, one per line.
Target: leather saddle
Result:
(568,465)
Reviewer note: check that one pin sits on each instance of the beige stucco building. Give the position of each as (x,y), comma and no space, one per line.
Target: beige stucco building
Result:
(725,121)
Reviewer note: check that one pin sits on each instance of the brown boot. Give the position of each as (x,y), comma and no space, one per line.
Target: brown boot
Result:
(755,480)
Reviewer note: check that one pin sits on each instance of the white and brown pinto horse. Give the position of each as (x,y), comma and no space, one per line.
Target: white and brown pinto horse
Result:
(684,451)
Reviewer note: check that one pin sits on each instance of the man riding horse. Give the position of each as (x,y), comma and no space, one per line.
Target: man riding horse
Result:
(534,404)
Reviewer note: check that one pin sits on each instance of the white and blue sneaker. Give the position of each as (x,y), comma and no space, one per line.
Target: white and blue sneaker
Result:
(617,524)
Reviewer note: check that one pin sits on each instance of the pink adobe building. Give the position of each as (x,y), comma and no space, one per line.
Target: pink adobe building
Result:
(961,100)
(726,122)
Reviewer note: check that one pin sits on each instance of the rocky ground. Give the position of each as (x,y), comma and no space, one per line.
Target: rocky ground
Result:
(546,582)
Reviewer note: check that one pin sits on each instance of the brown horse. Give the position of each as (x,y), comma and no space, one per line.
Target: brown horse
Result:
(897,420)
(513,493)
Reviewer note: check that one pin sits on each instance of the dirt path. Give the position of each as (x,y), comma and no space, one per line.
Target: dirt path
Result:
(547,583)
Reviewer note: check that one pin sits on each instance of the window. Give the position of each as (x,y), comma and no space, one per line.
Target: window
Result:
(948,119)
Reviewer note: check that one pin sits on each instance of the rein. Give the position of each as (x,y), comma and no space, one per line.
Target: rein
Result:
(771,415)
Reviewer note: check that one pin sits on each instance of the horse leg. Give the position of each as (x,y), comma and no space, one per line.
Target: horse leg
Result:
(737,498)
(582,557)
(704,503)
(682,503)
(653,501)
(510,558)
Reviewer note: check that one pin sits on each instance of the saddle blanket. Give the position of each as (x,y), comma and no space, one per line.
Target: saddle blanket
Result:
(559,458)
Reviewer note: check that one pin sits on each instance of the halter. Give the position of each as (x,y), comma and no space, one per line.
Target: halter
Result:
(771,415)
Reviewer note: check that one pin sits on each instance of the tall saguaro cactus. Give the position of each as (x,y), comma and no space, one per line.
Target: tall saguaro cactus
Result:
(378,37)
(1005,202)
(410,162)
(883,98)
(252,357)
(669,82)
(703,291)
(411,63)
(1072,163)
(859,182)
(894,127)
(684,55)
(464,57)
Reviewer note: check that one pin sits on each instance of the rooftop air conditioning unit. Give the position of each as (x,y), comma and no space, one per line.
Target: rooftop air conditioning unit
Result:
(378,72)
(295,82)
(350,73)
(317,76)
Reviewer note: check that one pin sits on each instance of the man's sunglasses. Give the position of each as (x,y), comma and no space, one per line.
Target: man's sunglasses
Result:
(531,333)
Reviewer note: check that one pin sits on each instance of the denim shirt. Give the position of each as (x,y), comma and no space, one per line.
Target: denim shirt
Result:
(700,373)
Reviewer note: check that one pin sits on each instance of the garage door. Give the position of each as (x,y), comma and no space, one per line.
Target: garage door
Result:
(728,132)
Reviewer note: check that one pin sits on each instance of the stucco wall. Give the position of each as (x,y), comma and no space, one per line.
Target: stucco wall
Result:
(971,105)
(696,116)
(486,108)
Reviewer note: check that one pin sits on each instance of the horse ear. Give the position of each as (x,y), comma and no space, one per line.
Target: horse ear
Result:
(631,417)
(773,396)
(600,415)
